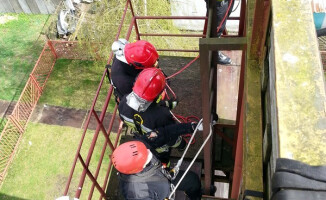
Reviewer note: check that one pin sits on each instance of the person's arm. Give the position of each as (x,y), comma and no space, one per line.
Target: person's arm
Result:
(166,134)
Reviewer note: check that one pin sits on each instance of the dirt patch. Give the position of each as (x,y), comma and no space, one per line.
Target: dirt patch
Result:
(56,115)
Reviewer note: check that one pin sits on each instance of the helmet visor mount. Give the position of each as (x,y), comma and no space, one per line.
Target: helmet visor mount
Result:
(118,49)
(137,103)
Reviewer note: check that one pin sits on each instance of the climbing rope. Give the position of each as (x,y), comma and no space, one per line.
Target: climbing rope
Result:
(224,18)
(181,119)
(177,167)
(182,69)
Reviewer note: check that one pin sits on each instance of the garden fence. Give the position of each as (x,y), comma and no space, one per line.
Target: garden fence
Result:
(17,121)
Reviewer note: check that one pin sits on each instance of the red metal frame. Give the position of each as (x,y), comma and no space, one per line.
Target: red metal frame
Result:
(99,119)
(207,46)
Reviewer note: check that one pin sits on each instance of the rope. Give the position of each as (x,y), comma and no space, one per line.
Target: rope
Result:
(182,69)
(181,119)
(236,7)
(173,93)
(226,14)
(193,160)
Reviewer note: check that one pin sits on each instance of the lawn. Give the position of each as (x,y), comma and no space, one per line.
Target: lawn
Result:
(20,47)
(43,162)
(73,84)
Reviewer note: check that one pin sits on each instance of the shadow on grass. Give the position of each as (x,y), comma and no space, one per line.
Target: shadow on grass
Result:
(4,196)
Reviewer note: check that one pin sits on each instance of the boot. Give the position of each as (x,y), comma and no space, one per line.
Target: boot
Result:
(223,59)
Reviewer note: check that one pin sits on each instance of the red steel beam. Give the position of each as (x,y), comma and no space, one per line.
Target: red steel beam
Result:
(106,135)
(93,105)
(85,166)
(172,35)
(172,17)
(221,134)
(259,29)
(91,149)
(240,98)
(110,164)
(52,49)
(103,151)
(237,171)
(242,19)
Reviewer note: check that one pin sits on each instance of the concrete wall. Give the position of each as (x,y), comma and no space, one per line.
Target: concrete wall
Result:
(29,6)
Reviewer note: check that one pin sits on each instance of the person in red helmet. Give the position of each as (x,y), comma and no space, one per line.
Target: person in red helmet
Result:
(130,60)
(141,111)
(143,177)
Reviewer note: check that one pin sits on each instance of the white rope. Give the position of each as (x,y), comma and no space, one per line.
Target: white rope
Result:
(193,160)
(175,117)
(177,167)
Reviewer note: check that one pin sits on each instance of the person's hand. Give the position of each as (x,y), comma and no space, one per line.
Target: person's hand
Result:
(172,103)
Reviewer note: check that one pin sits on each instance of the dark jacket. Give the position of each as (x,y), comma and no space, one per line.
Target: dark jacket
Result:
(155,116)
(123,77)
(149,184)
(154,182)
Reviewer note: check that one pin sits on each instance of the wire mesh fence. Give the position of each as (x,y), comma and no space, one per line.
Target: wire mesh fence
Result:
(16,123)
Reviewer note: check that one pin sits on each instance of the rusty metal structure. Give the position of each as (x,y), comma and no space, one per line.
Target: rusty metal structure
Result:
(255,132)
(208,45)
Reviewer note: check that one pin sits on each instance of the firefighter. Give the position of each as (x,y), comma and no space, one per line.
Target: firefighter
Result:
(221,7)
(143,177)
(222,12)
(130,59)
(141,111)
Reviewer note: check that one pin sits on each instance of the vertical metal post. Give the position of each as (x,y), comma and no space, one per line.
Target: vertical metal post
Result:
(242,19)
(259,28)
(237,171)
(204,74)
(52,49)
(240,98)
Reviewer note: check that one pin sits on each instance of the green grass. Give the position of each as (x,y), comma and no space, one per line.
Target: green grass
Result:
(20,47)
(41,167)
(3,122)
(73,84)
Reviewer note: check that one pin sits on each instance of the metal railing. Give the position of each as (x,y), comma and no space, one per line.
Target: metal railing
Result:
(109,146)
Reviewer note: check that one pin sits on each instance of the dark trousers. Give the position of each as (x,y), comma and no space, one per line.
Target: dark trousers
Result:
(190,184)
(221,8)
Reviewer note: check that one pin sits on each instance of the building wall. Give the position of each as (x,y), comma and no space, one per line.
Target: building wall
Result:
(29,6)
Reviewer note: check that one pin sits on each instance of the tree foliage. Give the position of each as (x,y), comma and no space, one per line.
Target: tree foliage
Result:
(103,20)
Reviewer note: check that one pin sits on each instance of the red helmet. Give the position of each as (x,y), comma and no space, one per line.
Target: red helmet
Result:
(149,84)
(130,157)
(141,54)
